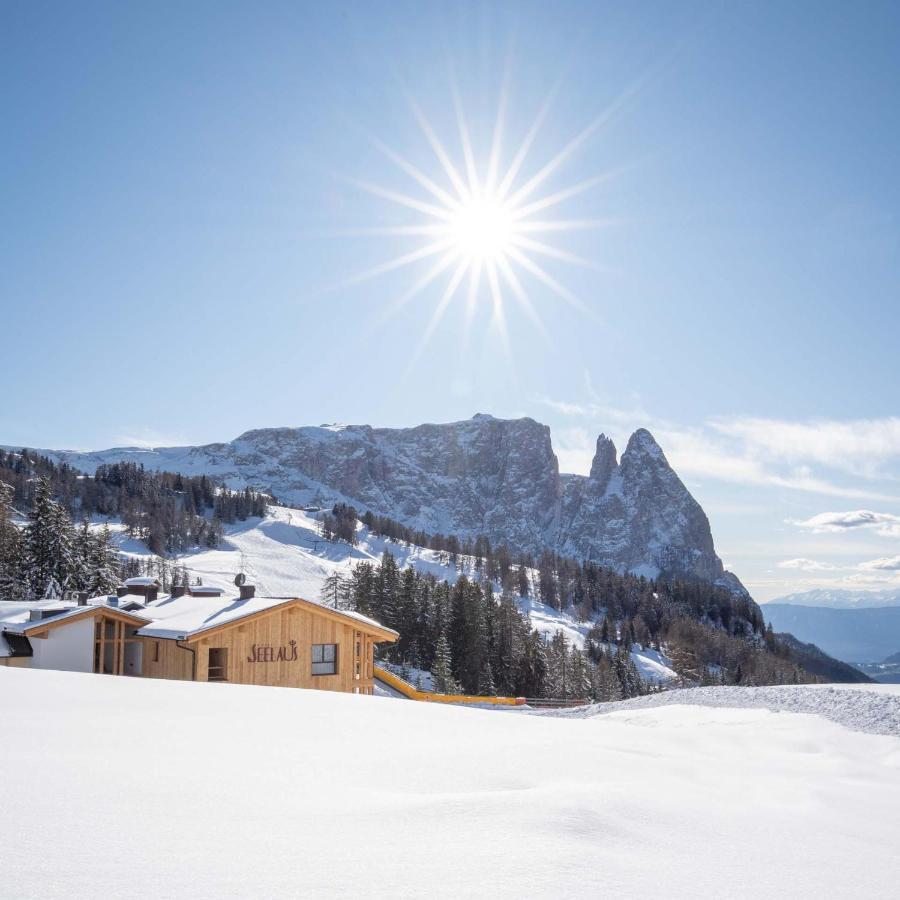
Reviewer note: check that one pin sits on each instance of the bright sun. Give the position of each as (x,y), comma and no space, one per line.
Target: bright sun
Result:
(482,227)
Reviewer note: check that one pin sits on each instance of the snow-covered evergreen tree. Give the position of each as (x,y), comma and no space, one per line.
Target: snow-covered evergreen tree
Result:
(103,564)
(486,687)
(12,586)
(49,544)
(442,670)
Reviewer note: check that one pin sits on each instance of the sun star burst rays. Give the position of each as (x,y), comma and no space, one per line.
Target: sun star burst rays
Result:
(482,227)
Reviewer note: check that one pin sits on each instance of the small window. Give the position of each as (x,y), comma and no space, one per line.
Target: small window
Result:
(156,651)
(217,668)
(324,659)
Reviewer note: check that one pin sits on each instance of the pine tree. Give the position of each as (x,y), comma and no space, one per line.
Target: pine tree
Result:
(11,575)
(442,670)
(486,687)
(581,675)
(388,590)
(407,612)
(48,544)
(103,564)
(333,590)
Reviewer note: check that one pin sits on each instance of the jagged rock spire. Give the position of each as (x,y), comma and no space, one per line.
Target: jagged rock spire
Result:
(604,461)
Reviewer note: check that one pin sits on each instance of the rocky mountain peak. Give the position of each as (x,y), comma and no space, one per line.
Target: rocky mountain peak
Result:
(483,476)
(642,443)
(605,461)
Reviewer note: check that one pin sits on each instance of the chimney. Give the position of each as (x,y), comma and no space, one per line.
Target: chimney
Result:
(82,598)
(122,591)
(248,591)
(179,590)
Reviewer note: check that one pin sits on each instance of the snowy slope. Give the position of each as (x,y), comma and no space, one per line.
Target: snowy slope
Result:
(284,555)
(122,787)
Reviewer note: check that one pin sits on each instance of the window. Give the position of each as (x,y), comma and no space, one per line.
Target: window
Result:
(324,659)
(156,651)
(217,667)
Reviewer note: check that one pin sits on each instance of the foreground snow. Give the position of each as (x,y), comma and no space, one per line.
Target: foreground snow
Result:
(140,788)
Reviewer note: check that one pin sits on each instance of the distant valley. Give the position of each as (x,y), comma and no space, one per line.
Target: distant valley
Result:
(844,629)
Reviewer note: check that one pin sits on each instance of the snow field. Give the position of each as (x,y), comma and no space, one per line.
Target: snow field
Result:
(142,788)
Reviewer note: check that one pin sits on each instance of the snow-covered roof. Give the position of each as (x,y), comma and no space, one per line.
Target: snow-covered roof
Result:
(17,617)
(178,618)
(141,581)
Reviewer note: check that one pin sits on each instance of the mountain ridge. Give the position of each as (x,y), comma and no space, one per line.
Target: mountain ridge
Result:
(481,476)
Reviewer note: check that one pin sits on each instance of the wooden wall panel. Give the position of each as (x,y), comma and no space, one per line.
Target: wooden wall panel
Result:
(15,661)
(174,662)
(260,652)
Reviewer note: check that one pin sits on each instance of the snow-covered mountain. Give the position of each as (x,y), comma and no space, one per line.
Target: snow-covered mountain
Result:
(482,476)
(841,598)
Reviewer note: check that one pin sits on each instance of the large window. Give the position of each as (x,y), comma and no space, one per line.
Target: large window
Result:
(324,659)
(217,668)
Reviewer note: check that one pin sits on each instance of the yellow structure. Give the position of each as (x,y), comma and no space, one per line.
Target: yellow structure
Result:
(405,688)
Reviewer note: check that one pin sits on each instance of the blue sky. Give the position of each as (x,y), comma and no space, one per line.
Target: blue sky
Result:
(181,201)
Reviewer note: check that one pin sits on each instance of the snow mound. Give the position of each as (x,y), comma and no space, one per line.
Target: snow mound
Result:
(874,709)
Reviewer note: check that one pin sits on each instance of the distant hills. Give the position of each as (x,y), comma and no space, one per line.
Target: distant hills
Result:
(815,661)
(856,635)
(841,598)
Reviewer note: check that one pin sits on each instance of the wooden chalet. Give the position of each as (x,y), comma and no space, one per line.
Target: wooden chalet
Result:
(199,636)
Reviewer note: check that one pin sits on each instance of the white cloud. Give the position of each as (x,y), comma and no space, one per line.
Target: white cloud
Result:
(883,523)
(806,565)
(885,564)
(574,449)
(859,447)
(148,438)
(697,452)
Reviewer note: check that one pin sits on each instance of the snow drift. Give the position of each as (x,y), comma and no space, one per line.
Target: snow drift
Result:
(139,788)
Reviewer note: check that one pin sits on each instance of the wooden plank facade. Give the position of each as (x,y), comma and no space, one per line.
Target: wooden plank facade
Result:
(295,644)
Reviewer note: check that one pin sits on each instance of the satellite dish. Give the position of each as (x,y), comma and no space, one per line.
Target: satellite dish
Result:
(240,579)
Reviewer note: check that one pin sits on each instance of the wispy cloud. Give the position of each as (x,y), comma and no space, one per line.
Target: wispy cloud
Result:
(883,523)
(806,565)
(147,438)
(857,446)
(885,564)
